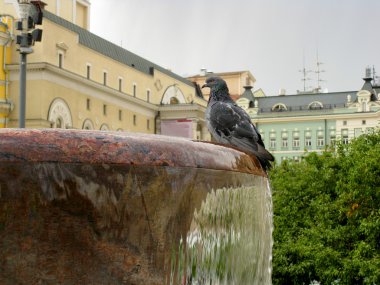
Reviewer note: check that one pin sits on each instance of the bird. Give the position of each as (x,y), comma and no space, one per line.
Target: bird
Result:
(229,124)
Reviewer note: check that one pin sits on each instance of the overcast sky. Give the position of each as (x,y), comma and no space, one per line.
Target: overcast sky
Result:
(273,39)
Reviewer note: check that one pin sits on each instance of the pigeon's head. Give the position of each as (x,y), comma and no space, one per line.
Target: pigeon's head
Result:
(215,84)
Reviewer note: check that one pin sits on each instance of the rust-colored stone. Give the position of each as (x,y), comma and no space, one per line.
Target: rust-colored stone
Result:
(78,146)
(92,207)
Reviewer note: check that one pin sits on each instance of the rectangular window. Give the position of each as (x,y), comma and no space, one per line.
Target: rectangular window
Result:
(134,90)
(104,78)
(284,143)
(296,142)
(332,140)
(148,95)
(120,84)
(364,122)
(272,143)
(344,123)
(308,142)
(88,104)
(104,109)
(134,120)
(88,71)
(148,124)
(120,115)
(358,132)
(320,142)
(345,140)
(60,60)
(296,159)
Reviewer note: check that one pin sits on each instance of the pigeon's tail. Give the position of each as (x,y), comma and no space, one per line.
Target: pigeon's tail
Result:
(256,149)
(264,157)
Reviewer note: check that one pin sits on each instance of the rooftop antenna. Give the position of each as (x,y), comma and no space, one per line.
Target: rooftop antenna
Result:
(304,73)
(368,72)
(318,71)
(375,77)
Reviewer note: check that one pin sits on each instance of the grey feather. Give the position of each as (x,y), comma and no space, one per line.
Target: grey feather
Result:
(230,124)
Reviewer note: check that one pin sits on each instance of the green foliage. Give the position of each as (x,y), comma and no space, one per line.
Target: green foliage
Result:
(327,216)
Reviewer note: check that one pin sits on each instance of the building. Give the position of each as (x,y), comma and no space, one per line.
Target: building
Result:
(290,125)
(235,81)
(76,79)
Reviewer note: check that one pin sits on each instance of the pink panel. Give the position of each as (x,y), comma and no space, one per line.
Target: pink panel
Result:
(177,128)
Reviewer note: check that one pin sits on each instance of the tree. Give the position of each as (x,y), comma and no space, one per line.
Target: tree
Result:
(327,216)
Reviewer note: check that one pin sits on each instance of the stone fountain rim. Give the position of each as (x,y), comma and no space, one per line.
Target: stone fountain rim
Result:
(124,148)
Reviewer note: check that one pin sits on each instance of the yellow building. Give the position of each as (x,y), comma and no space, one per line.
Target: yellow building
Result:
(76,79)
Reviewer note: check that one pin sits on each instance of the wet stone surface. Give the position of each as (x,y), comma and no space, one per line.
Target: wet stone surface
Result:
(81,219)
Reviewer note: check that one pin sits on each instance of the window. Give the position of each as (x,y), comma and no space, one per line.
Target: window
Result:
(332,140)
(104,77)
(134,120)
(345,136)
(272,143)
(134,90)
(308,138)
(320,138)
(120,115)
(296,159)
(279,107)
(344,123)
(148,95)
(88,104)
(315,105)
(364,122)
(104,109)
(88,72)
(60,60)
(284,143)
(296,142)
(120,84)
(357,132)
(148,124)
(320,142)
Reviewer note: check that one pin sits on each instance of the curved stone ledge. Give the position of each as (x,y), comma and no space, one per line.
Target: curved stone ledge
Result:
(79,146)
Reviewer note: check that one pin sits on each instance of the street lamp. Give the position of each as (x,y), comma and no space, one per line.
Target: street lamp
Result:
(30,15)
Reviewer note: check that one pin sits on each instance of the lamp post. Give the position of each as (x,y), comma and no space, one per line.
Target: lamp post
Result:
(30,15)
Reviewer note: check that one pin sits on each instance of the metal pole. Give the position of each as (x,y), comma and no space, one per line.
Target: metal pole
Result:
(22,89)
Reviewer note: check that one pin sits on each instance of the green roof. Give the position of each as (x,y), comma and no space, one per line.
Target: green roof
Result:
(111,50)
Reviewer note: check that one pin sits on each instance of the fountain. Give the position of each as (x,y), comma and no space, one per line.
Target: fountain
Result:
(93,207)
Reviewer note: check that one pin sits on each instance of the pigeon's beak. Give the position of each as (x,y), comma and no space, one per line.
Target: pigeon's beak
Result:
(205,85)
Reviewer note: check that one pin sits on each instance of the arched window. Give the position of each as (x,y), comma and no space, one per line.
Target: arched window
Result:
(279,107)
(315,105)
(173,95)
(104,127)
(88,125)
(59,114)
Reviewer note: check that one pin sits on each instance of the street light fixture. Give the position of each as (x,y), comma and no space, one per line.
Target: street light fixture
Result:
(30,15)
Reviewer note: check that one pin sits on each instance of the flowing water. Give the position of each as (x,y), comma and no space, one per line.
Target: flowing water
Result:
(229,241)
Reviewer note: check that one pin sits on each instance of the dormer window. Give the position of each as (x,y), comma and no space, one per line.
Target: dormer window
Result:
(279,107)
(315,105)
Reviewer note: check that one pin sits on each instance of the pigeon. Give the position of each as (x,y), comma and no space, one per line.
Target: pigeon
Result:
(230,124)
